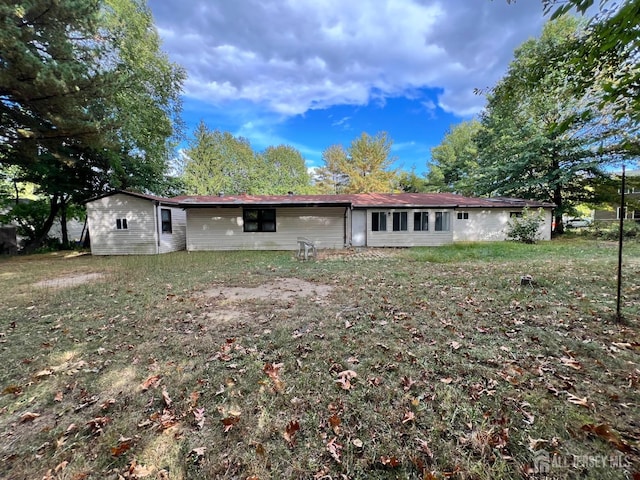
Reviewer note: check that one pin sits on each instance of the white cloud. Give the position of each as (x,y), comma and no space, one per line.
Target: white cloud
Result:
(290,57)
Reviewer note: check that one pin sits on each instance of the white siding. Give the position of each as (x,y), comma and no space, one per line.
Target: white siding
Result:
(409,238)
(177,239)
(222,229)
(140,235)
(491,225)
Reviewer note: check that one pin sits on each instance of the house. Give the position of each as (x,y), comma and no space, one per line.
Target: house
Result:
(125,223)
(632,200)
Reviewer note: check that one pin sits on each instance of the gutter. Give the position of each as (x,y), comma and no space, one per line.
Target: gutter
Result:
(156,225)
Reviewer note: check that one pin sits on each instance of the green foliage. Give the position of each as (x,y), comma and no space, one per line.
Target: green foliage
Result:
(525,229)
(88,102)
(362,168)
(606,54)
(454,163)
(219,162)
(539,140)
(410,182)
(28,216)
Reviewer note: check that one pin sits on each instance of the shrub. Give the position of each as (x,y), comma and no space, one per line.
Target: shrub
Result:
(526,228)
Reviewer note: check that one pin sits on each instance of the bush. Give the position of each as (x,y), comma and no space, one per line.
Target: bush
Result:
(526,228)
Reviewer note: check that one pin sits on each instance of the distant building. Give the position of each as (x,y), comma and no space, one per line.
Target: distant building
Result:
(632,201)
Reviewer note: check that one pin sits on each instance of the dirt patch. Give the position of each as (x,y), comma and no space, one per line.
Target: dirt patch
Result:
(356,253)
(278,289)
(69,281)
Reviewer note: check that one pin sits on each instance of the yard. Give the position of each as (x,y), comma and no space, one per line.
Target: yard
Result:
(424,363)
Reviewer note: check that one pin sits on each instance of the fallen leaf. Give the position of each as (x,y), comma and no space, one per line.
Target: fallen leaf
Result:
(409,416)
(28,417)
(392,462)
(455,345)
(166,398)
(96,424)
(193,398)
(290,432)
(44,373)
(447,380)
(58,397)
(61,466)
(583,402)
(570,362)
(124,444)
(604,431)
(345,377)
(198,413)
(13,390)
(407,383)
(107,403)
(152,381)
(334,421)
(229,422)
(197,453)
(335,449)
(423,446)
(357,443)
(273,372)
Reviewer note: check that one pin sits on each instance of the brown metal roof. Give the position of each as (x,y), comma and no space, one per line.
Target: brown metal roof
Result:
(154,198)
(360,200)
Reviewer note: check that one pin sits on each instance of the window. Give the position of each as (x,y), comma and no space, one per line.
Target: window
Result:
(515,214)
(121,224)
(442,221)
(259,220)
(463,215)
(636,214)
(165,214)
(378,221)
(421,221)
(399,221)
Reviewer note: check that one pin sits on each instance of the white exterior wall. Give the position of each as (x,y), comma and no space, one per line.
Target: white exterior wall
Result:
(139,237)
(222,229)
(491,225)
(177,239)
(409,237)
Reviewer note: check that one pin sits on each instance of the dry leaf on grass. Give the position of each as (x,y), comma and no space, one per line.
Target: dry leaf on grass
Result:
(345,377)
(199,416)
(152,381)
(583,402)
(607,433)
(290,432)
(229,422)
(335,449)
(28,417)
(571,363)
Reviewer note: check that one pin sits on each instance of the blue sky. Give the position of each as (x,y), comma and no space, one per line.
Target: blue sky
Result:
(313,73)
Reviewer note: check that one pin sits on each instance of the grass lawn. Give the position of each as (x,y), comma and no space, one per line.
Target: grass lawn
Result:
(402,364)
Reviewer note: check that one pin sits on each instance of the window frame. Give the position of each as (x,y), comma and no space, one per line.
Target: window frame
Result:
(400,222)
(443,218)
(379,221)
(264,217)
(463,216)
(422,223)
(166,226)
(122,224)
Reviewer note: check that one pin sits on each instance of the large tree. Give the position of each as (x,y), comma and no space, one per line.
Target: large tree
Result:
(454,162)
(284,171)
(87,99)
(330,179)
(542,140)
(364,167)
(217,162)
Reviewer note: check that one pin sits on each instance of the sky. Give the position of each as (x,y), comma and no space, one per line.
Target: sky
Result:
(314,73)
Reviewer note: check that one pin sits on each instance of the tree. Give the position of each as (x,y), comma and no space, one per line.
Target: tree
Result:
(605,54)
(410,182)
(454,162)
(362,168)
(329,178)
(540,140)
(285,171)
(88,101)
(217,162)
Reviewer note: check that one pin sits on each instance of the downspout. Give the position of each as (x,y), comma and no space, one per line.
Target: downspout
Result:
(346,216)
(156,225)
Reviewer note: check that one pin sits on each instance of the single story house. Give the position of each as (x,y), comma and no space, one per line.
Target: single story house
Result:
(632,201)
(130,223)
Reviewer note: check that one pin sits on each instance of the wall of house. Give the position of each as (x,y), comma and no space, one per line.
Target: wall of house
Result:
(409,237)
(491,225)
(177,239)
(138,238)
(222,229)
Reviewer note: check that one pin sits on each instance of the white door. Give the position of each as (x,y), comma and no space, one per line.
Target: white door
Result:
(359,228)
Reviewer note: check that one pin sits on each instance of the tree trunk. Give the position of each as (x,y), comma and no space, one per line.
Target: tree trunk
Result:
(42,232)
(557,199)
(63,222)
